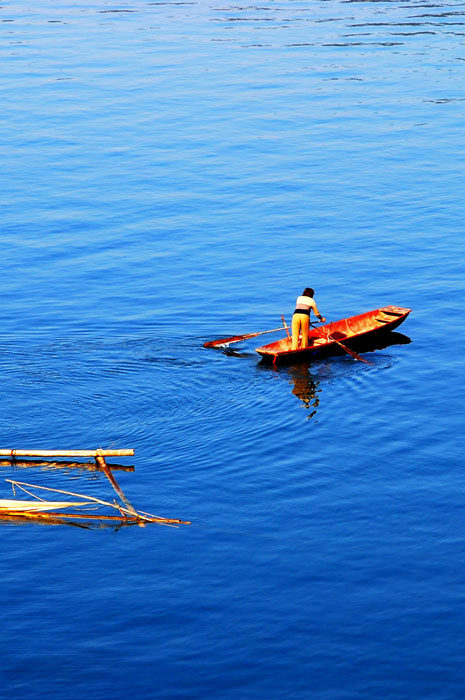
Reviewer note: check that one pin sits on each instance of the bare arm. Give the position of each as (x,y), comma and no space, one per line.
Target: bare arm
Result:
(316,312)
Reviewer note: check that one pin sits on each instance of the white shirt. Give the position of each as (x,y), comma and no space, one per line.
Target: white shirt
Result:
(304,303)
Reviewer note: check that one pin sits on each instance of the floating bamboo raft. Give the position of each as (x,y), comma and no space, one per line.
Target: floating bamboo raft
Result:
(46,511)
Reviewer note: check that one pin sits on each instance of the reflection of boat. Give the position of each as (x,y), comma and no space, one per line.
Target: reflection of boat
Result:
(326,340)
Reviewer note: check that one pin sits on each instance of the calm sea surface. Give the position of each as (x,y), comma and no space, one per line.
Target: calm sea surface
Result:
(175,172)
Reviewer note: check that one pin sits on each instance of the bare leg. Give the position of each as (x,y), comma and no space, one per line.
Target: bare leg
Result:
(296,321)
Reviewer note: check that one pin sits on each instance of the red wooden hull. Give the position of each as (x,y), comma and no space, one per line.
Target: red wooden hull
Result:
(349,331)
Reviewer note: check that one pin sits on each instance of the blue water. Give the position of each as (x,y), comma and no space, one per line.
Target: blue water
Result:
(174,172)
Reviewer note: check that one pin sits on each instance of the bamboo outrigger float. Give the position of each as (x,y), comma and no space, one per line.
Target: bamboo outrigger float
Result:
(54,512)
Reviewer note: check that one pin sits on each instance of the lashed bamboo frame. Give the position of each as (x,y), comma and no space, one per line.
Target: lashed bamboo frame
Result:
(128,514)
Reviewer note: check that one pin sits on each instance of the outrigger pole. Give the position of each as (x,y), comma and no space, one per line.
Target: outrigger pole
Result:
(66,453)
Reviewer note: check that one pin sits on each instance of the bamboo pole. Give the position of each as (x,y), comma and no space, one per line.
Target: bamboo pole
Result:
(66,453)
(100,460)
(21,484)
(126,514)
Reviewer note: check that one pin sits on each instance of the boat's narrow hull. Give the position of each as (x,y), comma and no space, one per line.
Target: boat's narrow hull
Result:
(350,331)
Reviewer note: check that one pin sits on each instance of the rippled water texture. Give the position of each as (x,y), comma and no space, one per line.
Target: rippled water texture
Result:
(175,172)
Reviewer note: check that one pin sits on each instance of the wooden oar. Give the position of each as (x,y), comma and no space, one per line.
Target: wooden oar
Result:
(355,355)
(285,326)
(237,338)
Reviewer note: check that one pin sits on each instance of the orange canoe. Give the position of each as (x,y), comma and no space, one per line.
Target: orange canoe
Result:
(349,331)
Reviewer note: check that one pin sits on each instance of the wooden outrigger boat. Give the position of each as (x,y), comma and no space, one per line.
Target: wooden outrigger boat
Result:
(332,338)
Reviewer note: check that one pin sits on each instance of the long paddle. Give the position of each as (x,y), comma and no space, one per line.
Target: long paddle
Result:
(355,355)
(237,338)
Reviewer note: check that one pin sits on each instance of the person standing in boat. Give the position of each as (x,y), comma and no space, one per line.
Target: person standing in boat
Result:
(301,317)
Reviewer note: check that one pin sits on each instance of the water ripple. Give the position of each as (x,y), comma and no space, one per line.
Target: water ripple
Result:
(177,171)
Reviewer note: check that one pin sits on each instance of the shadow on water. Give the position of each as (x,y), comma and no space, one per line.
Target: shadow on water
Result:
(232,352)
(381,342)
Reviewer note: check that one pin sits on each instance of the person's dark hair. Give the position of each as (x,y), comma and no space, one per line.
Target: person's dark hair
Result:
(308,292)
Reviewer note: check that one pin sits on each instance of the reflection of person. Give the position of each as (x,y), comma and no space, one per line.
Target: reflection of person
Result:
(305,388)
(301,317)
